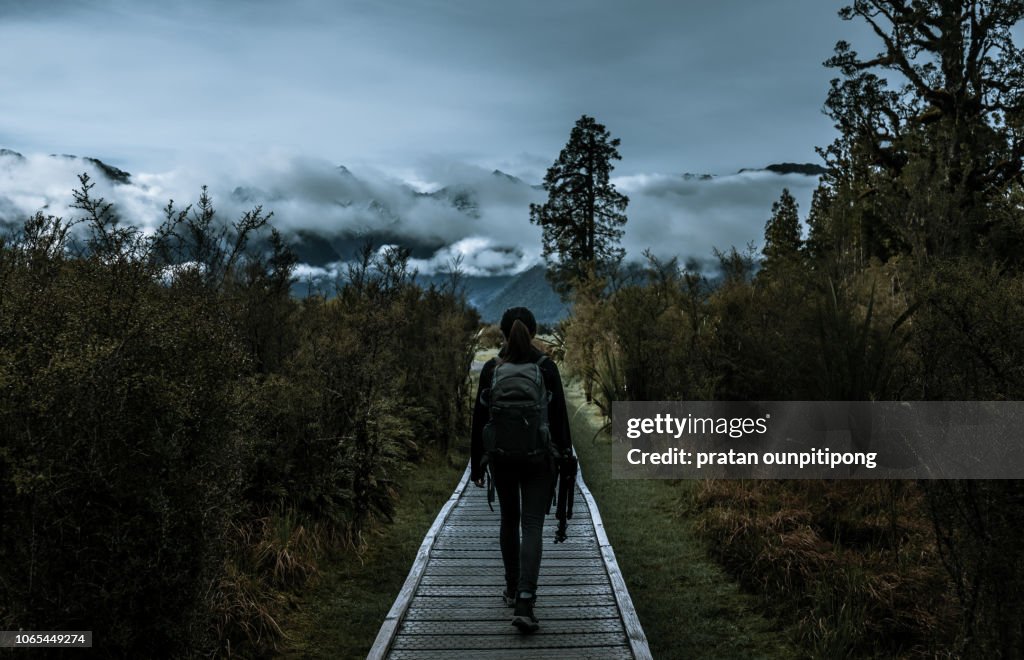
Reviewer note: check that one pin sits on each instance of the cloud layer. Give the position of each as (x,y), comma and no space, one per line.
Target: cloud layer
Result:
(685,85)
(445,210)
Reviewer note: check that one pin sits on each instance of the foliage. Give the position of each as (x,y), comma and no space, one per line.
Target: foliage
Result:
(855,561)
(583,217)
(181,439)
(782,242)
(908,286)
(937,155)
(121,452)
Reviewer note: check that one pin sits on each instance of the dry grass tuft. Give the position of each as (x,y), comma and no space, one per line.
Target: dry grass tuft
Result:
(274,557)
(856,560)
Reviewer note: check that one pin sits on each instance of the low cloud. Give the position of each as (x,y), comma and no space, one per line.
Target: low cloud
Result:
(690,216)
(451,211)
(479,256)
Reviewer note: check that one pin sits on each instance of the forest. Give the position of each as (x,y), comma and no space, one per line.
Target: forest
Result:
(907,286)
(183,442)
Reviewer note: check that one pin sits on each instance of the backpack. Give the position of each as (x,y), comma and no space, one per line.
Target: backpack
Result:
(518,424)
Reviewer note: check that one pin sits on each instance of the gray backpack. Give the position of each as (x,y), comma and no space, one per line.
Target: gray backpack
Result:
(518,403)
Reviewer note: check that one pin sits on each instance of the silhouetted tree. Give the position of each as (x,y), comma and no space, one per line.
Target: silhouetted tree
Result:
(931,161)
(782,232)
(583,216)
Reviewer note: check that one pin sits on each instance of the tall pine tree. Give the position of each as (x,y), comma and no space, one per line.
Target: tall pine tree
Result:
(583,217)
(782,233)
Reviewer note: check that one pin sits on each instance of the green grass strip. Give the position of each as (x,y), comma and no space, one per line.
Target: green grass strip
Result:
(688,606)
(340,616)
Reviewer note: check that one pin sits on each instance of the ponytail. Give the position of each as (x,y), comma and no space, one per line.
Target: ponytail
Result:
(519,346)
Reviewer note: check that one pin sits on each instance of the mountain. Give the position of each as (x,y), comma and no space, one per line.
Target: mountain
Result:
(112,173)
(460,196)
(466,196)
(106,170)
(376,212)
(327,212)
(507,177)
(12,209)
(808,169)
(491,296)
(528,289)
(313,249)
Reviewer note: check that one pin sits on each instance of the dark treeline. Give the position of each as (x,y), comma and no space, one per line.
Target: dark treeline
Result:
(180,440)
(909,286)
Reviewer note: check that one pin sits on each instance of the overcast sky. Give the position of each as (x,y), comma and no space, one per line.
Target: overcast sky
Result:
(687,86)
(271,96)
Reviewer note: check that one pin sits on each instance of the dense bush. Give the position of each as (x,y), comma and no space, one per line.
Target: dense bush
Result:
(811,329)
(180,439)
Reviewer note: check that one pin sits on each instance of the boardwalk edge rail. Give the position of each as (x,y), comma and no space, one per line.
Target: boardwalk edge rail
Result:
(631,622)
(386,635)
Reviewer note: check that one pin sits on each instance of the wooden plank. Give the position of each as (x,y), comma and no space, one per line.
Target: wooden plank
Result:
(481,510)
(485,627)
(486,529)
(571,543)
(511,640)
(386,635)
(465,569)
(497,581)
(465,525)
(488,600)
(573,551)
(550,562)
(468,527)
(460,554)
(634,631)
(587,546)
(459,612)
(621,652)
(556,590)
(591,566)
(485,514)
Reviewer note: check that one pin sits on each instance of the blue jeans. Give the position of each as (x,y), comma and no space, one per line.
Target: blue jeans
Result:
(524,493)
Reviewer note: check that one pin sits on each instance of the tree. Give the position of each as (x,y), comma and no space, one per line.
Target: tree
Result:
(930,164)
(934,167)
(782,232)
(583,216)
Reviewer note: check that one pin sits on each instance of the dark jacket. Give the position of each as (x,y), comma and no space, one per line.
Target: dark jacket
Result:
(558,416)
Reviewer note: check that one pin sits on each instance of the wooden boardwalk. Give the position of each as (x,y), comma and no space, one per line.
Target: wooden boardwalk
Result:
(451,605)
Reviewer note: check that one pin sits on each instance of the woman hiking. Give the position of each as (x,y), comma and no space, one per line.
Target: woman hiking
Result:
(524,484)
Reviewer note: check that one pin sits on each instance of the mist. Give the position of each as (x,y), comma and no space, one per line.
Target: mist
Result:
(446,210)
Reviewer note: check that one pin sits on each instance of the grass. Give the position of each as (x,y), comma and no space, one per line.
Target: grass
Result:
(689,607)
(340,616)
(828,569)
(853,562)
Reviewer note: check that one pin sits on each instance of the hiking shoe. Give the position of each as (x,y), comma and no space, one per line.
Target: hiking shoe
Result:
(509,596)
(523,617)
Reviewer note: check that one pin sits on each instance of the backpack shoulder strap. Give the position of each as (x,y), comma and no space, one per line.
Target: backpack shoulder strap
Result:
(494,371)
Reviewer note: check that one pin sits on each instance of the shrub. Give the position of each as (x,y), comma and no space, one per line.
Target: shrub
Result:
(179,439)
